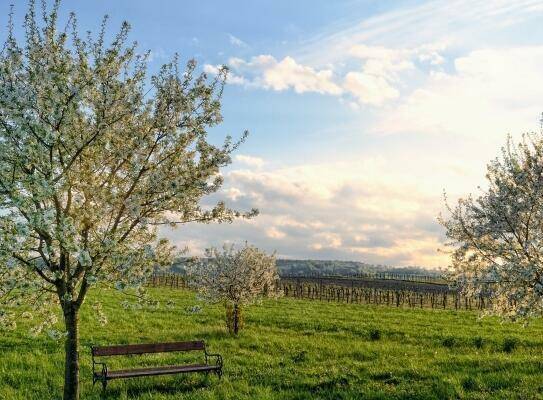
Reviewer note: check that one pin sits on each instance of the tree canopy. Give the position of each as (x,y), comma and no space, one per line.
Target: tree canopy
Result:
(498,236)
(95,155)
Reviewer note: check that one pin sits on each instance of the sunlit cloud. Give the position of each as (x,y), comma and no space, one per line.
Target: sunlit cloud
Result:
(265,71)
(491,92)
(249,161)
(373,83)
(332,211)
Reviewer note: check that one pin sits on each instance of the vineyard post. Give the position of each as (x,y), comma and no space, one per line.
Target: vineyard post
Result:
(320,287)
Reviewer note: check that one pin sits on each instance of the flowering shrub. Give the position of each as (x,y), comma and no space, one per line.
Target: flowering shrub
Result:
(236,278)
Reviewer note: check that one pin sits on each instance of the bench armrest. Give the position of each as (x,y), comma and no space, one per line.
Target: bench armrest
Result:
(218,358)
(103,375)
(95,375)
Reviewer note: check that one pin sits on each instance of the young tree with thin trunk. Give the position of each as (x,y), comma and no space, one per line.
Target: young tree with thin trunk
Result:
(498,236)
(236,278)
(94,157)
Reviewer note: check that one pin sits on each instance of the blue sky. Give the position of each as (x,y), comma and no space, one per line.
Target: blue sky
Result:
(360,112)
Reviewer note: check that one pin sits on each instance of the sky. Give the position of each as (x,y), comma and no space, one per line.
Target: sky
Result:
(361,113)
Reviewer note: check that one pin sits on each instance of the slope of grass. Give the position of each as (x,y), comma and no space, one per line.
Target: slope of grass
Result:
(292,349)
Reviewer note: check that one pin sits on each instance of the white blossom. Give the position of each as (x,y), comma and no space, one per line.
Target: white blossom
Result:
(95,155)
(236,276)
(497,237)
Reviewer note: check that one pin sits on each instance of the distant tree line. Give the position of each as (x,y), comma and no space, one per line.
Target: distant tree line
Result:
(290,267)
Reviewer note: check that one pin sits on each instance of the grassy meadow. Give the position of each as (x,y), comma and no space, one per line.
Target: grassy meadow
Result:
(293,349)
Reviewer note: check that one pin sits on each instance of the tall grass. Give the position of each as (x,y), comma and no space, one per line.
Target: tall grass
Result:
(294,349)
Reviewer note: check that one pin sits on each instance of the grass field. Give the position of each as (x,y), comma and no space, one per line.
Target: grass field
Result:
(295,349)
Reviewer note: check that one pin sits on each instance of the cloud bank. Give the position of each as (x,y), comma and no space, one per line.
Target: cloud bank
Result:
(336,210)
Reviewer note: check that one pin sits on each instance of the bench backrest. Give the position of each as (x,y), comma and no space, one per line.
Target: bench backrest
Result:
(126,349)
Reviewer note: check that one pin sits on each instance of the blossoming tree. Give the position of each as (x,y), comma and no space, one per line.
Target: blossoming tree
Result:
(498,236)
(94,157)
(236,278)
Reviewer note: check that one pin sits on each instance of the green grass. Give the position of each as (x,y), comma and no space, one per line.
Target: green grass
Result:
(295,349)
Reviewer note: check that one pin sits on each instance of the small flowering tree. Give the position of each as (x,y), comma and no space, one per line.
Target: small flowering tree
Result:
(236,278)
(498,236)
(94,156)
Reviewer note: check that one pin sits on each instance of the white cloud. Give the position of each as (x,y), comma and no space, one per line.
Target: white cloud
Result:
(490,93)
(450,21)
(326,240)
(289,74)
(233,193)
(371,61)
(373,210)
(236,41)
(231,78)
(375,83)
(275,233)
(388,69)
(369,88)
(211,69)
(269,73)
(375,52)
(432,57)
(412,38)
(250,161)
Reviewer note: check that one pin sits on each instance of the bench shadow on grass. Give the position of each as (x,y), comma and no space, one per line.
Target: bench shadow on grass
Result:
(520,367)
(155,385)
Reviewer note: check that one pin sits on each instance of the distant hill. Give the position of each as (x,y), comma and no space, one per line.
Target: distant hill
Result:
(330,267)
(337,267)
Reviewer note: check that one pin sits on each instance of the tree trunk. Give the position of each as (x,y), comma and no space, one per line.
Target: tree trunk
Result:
(236,319)
(71,367)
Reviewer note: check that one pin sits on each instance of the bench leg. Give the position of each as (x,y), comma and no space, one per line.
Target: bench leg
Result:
(104,384)
(219,373)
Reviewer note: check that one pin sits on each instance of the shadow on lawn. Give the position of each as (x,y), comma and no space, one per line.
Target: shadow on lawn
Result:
(213,334)
(521,367)
(381,385)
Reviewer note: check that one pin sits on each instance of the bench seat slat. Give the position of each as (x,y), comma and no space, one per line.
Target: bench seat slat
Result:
(163,370)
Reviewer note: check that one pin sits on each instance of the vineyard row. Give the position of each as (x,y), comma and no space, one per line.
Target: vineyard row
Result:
(358,291)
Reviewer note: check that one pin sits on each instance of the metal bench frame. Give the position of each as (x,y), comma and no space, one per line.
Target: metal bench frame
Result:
(139,349)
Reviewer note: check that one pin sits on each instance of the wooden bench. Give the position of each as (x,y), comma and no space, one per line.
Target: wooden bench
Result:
(106,375)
